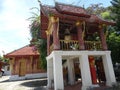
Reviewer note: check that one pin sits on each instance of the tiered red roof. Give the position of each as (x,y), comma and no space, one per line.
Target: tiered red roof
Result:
(68,12)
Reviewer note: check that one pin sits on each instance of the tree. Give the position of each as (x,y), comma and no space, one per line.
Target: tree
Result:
(113,42)
(3,59)
(35,24)
(38,42)
(116,11)
(96,9)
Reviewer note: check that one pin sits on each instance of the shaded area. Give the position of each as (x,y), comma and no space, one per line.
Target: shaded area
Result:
(36,83)
(41,88)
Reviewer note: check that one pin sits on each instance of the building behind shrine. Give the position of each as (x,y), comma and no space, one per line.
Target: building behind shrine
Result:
(25,63)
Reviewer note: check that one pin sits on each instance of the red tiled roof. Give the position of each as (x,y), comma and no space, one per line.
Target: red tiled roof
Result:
(71,10)
(64,9)
(59,9)
(24,51)
(96,19)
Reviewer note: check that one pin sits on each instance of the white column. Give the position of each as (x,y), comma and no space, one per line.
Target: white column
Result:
(108,68)
(50,72)
(71,76)
(85,71)
(58,72)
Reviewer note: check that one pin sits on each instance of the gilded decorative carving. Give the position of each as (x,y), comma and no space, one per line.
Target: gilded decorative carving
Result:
(52,20)
(83,33)
(78,23)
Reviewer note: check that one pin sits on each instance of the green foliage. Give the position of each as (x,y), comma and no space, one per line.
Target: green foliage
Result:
(35,24)
(4,59)
(41,46)
(106,15)
(39,43)
(96,9)
(114,36)
(113,42)
(116,11)
(34,30)
(43,52)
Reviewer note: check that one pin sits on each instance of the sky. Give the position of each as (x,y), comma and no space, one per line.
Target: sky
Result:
(14,23)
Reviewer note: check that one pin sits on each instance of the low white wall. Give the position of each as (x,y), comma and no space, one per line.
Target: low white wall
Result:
(27,76)
(16,77)
(38,75)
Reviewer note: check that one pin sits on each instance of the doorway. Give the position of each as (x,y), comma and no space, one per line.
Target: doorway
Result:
(97,69)
(22,68)
(100,70)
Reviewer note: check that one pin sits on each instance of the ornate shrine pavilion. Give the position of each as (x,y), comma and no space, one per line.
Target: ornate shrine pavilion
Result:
(76,45)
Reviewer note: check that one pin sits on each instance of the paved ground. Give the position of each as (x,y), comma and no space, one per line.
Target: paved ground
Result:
(34,84)
(37,84)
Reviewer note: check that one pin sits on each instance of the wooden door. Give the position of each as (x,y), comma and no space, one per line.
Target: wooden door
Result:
(22,68)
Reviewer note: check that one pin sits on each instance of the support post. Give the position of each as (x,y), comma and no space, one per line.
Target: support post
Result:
(108,67)
(102,37)
(92,69)
(85,71)
(56,42)
(71,76)
(80,36)
(58,72)
(50,72)
(48,44)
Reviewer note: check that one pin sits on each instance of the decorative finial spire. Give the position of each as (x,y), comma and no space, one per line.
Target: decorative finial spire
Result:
(39,2)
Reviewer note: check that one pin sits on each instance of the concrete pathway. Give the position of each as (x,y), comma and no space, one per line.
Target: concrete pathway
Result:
(37,84)
(33,84)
